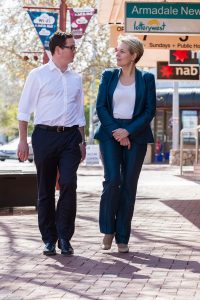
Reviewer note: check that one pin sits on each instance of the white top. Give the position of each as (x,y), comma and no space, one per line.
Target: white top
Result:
(56,98)
(124,101)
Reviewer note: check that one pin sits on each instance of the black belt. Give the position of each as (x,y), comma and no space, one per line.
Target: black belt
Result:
(56,128)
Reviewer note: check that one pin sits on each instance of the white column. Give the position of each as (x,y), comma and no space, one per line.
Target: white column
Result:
(175,118)
(92,96)
(92,101)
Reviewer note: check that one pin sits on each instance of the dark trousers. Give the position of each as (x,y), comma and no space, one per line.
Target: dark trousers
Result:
(56,151)
(121,172)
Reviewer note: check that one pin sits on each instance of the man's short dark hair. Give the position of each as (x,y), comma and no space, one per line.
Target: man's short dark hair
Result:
(58,39)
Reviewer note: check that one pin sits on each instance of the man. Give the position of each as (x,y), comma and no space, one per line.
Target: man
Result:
(54,93)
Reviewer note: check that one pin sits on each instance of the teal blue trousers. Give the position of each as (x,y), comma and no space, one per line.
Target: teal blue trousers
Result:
(121,172)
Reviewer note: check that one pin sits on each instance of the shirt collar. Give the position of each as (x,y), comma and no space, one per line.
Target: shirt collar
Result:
(52,66)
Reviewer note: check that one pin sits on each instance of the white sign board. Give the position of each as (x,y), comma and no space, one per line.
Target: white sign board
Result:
(150,41)
(92,155)
(165,17)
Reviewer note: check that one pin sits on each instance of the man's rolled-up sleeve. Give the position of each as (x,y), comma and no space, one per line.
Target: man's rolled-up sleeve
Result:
(29,97)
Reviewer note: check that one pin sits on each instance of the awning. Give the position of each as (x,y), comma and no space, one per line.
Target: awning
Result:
(188,97)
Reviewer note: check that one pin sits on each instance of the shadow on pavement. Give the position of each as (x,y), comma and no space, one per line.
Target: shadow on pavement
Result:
(153,261)
(189,209)
(84,265)
(189,175)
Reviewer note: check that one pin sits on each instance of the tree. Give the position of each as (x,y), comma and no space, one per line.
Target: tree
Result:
(19,37)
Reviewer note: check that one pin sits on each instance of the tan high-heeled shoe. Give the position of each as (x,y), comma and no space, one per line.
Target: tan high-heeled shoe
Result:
(123,248)
(107,241)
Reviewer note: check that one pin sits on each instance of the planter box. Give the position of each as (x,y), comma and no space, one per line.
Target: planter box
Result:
(18,190)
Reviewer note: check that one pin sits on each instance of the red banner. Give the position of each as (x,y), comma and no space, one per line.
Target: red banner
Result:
(80,18)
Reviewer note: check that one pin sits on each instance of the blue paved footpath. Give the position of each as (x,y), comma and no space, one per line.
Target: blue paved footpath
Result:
(164,258)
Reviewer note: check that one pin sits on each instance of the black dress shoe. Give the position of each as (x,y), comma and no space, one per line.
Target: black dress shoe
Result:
(65,246)
(49,249)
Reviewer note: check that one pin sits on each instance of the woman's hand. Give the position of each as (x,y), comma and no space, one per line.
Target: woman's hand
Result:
(125,142)
(120,134)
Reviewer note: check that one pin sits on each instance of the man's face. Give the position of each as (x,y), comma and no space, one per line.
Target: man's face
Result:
(68,51)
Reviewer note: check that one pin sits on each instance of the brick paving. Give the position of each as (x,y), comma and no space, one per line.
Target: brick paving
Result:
(164,258)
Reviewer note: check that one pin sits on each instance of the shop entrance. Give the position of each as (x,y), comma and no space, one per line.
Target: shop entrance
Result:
(162,127)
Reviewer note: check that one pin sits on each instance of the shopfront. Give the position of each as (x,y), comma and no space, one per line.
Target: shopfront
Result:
(189,117)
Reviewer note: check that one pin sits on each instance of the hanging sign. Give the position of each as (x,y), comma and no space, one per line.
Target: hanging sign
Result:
(45,24)
(80,18)
(183,42)
(174,18)
(178,72)
(183,57)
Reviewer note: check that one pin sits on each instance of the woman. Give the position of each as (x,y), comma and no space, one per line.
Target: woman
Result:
(126,104)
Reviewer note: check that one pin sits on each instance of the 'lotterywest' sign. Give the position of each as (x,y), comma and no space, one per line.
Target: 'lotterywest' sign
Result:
(145,17)
(166,72)
(183,42)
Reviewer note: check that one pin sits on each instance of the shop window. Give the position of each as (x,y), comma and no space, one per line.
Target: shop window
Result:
(189,119)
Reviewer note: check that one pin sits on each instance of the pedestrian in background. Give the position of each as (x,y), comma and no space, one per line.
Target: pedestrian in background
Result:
(126,104)
(54,93)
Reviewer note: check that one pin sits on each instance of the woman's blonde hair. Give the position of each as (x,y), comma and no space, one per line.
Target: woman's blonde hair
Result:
(134,45)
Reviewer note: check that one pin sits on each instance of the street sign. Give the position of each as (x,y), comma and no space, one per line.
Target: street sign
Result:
(167,72)
(183,57)
(174,18)
(183,42)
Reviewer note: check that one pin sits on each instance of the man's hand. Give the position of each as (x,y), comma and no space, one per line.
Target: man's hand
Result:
(23,150)
(83,151)
(120,134)
(125,142)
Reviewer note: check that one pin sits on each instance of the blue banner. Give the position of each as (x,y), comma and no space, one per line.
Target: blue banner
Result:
(45,24)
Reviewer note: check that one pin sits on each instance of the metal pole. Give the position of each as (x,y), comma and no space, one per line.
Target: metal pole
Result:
(63,15)
(175,117)
(92,97)
(45,58)
(181,152)
(91,125)
(62,25)
(197,145)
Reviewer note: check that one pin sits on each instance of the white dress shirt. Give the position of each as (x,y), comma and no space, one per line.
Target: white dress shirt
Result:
(124,101)
(56,98)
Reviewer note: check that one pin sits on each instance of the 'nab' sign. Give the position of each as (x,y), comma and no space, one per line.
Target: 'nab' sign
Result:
(178,72)
(183,57)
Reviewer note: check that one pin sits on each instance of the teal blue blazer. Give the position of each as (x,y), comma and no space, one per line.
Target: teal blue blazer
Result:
(145,107)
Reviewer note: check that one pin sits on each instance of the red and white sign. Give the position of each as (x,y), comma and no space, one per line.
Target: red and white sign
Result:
(178,72)
(183,57)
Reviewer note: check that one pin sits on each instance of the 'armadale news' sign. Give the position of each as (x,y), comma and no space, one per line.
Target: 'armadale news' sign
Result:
(176,72)
(165,17)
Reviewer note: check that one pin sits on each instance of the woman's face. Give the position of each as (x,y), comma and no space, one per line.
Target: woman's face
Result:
(123,56)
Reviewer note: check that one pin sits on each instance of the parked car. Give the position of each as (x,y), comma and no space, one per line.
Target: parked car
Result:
(3,139)
(9,150)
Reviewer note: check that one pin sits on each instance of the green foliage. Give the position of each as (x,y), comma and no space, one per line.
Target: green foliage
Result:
(8,120)
(87,116)
(92,57)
